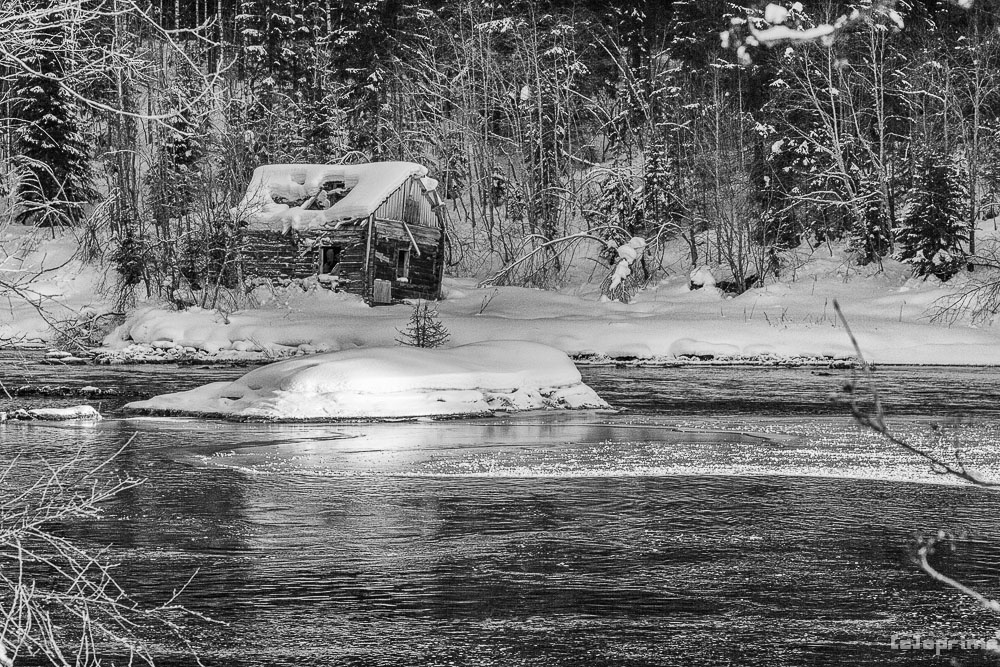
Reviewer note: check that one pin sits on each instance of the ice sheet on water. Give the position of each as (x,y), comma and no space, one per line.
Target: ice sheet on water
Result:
(569,448)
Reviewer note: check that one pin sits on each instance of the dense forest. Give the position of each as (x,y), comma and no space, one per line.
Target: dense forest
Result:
(139,125)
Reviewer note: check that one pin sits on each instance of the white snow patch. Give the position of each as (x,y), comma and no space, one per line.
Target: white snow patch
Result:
(393,382)
(775,14)
(83,412)
(780,33)
(52,284)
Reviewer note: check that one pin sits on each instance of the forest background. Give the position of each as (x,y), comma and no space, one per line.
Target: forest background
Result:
(139,125)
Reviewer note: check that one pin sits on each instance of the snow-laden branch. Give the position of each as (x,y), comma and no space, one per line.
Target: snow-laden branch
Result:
(60,598)
(553,247)
(925,548)
(621,282)
(773,29)
(874,419)
(26,27)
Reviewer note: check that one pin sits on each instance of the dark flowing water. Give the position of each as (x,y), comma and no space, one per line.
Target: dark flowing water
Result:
(729,516)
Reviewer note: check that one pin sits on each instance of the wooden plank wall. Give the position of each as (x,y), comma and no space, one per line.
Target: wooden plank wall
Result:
(409,203)
(424,279)
(275,256)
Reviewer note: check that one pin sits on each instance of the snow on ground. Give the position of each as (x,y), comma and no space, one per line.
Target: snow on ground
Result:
(393,382)
(41,282)
(792,318)
(888,311)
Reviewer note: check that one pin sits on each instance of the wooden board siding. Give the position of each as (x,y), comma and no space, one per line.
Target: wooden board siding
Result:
(381,292)
(424,275)
(273,256)
(409,203)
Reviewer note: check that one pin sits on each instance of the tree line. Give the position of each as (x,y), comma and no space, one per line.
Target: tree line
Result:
(139,124)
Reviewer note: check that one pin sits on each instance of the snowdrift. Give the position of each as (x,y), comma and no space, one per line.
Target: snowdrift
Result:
(392,382)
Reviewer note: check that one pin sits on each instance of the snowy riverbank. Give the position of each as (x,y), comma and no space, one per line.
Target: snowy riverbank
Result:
(787,322)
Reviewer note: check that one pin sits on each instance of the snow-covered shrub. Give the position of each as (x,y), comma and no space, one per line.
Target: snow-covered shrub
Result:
(622,283)
(931,235)
(701,276)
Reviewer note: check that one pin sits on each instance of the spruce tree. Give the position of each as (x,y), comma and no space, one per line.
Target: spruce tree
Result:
(660,186)
(48,133)
(870,236)
(933,230)
(175,178)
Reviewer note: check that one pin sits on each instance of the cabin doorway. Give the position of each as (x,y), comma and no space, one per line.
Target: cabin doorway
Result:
(403,264)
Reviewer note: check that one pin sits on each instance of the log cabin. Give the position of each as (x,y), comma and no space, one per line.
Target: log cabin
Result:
(375,229)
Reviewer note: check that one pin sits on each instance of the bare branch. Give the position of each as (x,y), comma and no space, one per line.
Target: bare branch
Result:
(874,418)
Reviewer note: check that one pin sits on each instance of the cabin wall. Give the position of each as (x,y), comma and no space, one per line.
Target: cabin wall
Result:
(272,255)
(423,277)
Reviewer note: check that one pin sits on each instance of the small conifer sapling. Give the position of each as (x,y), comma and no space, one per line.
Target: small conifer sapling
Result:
(424,329)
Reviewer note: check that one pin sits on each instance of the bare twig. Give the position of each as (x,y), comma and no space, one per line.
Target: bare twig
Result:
(874,419)
(61,602)
(925,548)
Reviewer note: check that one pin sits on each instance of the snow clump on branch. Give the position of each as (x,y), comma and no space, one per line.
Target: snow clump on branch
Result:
(770,28)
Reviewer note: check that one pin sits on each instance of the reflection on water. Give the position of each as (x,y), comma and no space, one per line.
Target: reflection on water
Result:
(646,538)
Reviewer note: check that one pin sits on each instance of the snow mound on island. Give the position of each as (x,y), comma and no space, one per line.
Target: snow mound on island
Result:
(393,382)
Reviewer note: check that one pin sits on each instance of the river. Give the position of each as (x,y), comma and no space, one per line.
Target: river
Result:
(726,516)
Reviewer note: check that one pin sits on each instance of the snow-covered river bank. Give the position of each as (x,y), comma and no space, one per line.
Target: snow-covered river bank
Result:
(729,515)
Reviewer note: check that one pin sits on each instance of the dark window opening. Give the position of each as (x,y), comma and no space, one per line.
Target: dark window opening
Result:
(329,259)
(403,264)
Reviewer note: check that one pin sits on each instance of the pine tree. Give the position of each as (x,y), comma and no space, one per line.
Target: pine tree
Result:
(425,329)
(659,188)
(870,237)
(175,178)
(931,235)
(181,146)
(48,133)
(361,48)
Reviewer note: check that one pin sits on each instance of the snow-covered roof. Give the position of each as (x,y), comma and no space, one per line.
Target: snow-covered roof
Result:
(367,186)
